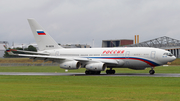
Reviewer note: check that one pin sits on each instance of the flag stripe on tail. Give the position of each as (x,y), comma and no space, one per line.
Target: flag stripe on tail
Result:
(8,50)
(41,33)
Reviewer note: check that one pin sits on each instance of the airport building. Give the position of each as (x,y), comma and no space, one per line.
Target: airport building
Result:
(116,43)
(76,46)
(164,42)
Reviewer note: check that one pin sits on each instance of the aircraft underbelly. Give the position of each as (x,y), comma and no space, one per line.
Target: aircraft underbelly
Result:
(135,63)
(132,63)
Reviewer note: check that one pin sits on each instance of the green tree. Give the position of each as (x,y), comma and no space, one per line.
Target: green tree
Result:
(31,48)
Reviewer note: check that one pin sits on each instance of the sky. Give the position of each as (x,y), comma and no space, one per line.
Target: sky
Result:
(82,21)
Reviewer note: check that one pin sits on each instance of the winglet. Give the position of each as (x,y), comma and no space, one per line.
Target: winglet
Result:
(5,47)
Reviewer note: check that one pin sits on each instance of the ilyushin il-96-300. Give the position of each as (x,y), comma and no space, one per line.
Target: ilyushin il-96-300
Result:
(94,60)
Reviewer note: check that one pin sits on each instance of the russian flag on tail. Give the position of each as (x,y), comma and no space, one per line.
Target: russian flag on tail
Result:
(41,33)
(8,50)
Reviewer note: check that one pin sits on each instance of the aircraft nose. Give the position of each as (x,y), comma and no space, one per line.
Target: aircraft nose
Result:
(173,58)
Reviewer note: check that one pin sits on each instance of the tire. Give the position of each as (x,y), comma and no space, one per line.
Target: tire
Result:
(113,71)
(107,72)
(151,72)
(87,72)
(98,72)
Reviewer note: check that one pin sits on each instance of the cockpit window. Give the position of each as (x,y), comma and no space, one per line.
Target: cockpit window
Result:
(165,54)
(168,54)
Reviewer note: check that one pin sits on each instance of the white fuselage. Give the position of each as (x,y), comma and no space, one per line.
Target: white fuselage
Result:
(133,57)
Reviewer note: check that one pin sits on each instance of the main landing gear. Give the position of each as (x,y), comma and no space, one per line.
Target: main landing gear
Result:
(151,71)
(88,72)
(110,71)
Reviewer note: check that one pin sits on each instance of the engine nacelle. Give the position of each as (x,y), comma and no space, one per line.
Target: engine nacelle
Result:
(96,66)
(70,65)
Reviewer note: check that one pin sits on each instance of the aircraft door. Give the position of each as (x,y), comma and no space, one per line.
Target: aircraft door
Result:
(57,53)
(127,54)
(127,64)
(153,54)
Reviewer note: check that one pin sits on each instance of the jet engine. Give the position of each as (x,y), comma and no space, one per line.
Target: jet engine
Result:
(70,65)
(96,66)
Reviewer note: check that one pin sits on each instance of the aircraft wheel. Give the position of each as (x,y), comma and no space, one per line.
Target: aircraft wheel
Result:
(110,71)
(91,72)
(113,71)
(98,72)
(107,72)
(151,72)
(87,72)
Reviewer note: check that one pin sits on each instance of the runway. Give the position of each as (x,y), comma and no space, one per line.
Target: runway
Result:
(82,74)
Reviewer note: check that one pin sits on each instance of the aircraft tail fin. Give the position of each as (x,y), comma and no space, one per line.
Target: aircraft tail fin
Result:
(43,39)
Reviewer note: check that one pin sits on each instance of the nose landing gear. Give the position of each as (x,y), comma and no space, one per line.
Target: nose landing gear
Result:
(152,71)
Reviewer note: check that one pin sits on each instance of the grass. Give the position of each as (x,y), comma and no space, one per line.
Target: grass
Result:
(89,88)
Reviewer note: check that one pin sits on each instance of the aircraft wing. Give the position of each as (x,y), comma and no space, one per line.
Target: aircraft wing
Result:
(41,57)
(107,61)
(51,58)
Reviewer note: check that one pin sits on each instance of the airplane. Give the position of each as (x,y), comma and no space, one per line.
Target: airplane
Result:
(94,60)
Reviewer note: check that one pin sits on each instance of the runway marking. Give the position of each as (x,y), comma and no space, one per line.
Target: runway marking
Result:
(83,74)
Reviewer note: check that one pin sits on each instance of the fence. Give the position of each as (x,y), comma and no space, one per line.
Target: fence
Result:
(28,64)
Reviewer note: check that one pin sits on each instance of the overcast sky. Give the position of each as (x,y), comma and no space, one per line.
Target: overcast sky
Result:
(81,21)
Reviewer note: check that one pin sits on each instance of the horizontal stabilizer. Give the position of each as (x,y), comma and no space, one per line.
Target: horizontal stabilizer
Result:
(8,50)
(29,52)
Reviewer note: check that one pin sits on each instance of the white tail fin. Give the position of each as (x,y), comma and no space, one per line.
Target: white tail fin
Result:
(43,39)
